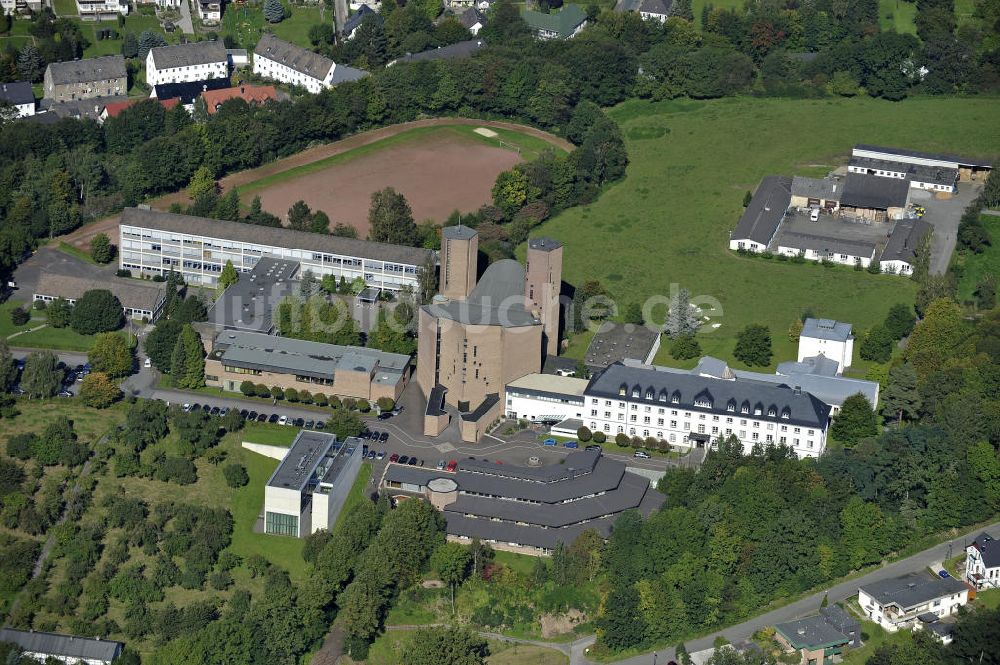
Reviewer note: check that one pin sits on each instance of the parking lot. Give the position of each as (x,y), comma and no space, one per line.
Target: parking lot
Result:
(944,215)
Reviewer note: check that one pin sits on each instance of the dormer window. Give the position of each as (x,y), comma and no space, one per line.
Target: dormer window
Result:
(785,413)
(636,392)
(622,389)
(745,408)
(731,407)
(772,412)
(702,402)
(650,394)
(676,397)
(663,395)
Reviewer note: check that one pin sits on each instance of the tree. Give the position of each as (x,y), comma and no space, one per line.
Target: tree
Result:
(299,215)
(201,183)
(510,191)
(584,434)
(451,562)
(986,292)
(446,646)
(112,354)
(899,321)
(389,337)
(274,12)
(685,348)
(58,313)
(160,342)
(19,316)
(190,310)
(192,359)
(98,391)
(29,63)
(795,330)
(621,623)
(8,369)
(855,421)
(753,345)
(130,45)
(228,206)
(391,219)
(41,377)
(345,423)
(901,399)
(228,276)
(101,249)
(681,319)
(936,338)
(876,344)
(236,475)
(149,40)
(97,311)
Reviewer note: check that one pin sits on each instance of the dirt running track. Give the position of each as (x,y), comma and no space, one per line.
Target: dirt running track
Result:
(109,225)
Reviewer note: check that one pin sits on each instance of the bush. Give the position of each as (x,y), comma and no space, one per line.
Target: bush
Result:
(386,404)
(291,395)
(621,439)
(277,392)
(335,402)
(584,434)
(319,399)
(19,316)
(305,397)
(121,272)
(364,406)
(248,388)
(600,437)
(39,305)
(685,348)
(236,475)
(261,390)
(97,311)
(349,403)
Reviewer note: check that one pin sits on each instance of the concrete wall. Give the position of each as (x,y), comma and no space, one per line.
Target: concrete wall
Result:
(346,384)
(274,452)
(434,425)
(543,279)
(473,430)
(459,260)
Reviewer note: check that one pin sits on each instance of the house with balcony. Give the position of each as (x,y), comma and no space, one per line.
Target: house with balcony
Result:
(982,562)
(903,602)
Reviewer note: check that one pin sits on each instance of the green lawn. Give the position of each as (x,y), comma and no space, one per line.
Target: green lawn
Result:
(975,266)
(65,7)
(134,22)
(669,221)
(76,253)
(388,650)
(60,339)
(268,434)
(245,24)
(897,15)
(989,599)
(964,10)
(358,491)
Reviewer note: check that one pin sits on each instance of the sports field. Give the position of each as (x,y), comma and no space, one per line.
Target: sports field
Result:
(439,169)
(691,164)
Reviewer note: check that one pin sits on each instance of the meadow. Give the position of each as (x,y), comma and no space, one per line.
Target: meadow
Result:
(245,24)
(691,163)
(974,266)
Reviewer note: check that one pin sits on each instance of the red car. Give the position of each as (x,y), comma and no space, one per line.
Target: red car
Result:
(451,465)
(394,457)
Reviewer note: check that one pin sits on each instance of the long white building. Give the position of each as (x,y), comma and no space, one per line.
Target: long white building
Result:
(283,61)
(182,63)
(545,397)
(152,242)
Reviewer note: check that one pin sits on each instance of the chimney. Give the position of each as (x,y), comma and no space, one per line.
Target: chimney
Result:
(204,87)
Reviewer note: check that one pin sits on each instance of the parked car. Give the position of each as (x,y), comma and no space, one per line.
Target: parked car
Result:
(252,415)
(595,447)
(299,422)
(566,372)
(195,407)
(385,415)
(383,437)
(394,457)
(223,411)
(441,464)
(206,408)
(451,465)
(549,442)
(262,418)
(17,390)
(214,411)
(282,420)
(373,435)
(65,393)
(370,455)
(186,407)
(571,444)
(320,424)
(405,459)
(310,424)
(413,462)
(641,454)
(380,455)
(244,413)
(274,418)
(943,574)
(814,215)
(148,363)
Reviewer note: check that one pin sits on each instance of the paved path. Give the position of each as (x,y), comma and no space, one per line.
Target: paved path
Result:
(991,213)
(185,23)
(811,604)
(28,330)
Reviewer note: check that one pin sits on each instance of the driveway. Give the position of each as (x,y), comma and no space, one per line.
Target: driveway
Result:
(944,215)
(811,604)
(185,23)
(51,261)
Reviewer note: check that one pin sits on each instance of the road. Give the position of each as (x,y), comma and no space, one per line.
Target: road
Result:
(811,604)
(185,23)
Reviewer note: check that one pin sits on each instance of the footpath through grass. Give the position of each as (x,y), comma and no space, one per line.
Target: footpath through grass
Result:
(691,162)
(45,337)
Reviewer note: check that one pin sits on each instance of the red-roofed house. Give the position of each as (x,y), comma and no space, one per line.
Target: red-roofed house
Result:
(114,109)
(251,94)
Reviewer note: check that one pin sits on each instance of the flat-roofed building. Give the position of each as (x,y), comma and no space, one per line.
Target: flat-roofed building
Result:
(283,61)
(86,79)
(331,369)
(528,509)
(616,342)
(152,242)
(140,300)
(545,398)
(180,63)
(306,493)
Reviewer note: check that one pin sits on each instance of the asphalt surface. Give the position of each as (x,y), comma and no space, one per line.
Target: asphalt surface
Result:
(811,604)
(945,215)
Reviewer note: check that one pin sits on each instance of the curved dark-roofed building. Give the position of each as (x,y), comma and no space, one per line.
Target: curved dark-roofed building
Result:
(528,509)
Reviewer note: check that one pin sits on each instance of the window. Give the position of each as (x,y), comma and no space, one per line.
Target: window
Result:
(281,525)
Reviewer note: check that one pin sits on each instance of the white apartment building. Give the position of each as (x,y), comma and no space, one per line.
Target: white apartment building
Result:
(152,242)
(283,61)
(898,603)
(691,410)
(831,339)
(183,63)
(545,397)
(982,562)
(101,10)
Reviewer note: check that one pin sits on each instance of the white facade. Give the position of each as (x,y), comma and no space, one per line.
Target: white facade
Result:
(976,571)
(892,617)
(748,245)
(840,351)
(208,12)
(654,16)
(130,312)
(283,507)
(97,9)
(183,74)
(264,66)
(200,258)
(893,156)
(675,425)
(814,255)
(545,397)
(896,267)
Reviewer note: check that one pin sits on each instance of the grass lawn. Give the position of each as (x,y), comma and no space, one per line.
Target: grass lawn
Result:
(89,424)
(358,491)
(975,266)
(65,7)
(897,15)
(134,22)
(530,146)
(691,162)
(989,599)
(60,339)
(76,253)
(698,5)
(388,650)
(268,434)
(246,23)
(964,10)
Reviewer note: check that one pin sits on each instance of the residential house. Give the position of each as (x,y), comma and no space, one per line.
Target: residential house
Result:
(188,91)
(102,10)
(251,94)
(86,79)
(900,253)
(283,61)
(209,11)
(15,7)
(653,10)
(19,96)
(982,562)
(762,217)
(464,49)
(185,63)
(140,300)
(898,603)
(472,19)
(42,646)
(115,109)
(565,23)
(827,338)
(820,639)
(354,22)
